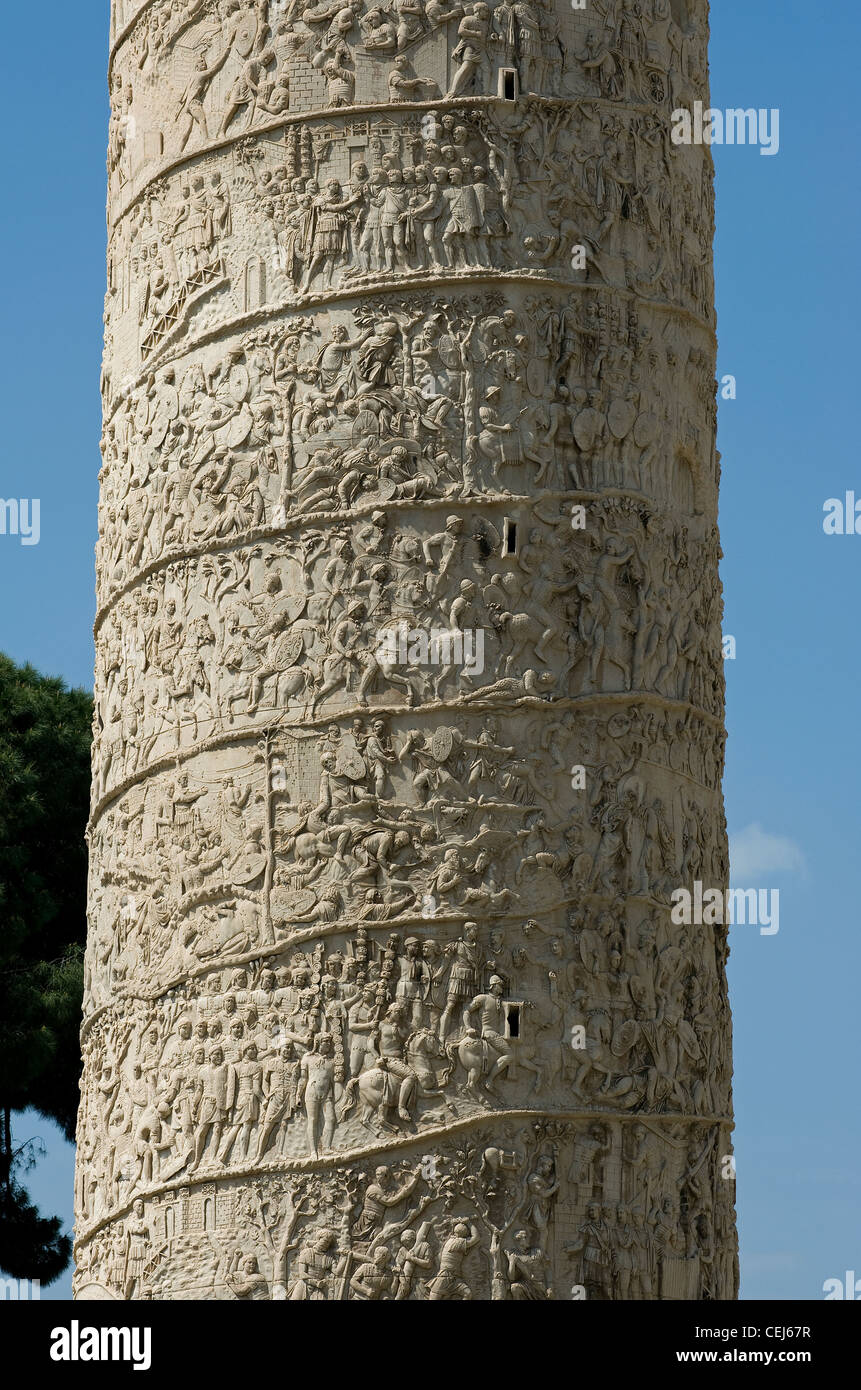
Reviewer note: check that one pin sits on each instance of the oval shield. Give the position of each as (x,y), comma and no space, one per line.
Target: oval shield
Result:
(237,430)
(143,410)
(441,744)
(536,376)
(248,868)
(246,35)
(587,429)
(238,382)
(160,427)
(349,761)
(621,417)
(166,411)
(645,430)
(288,651)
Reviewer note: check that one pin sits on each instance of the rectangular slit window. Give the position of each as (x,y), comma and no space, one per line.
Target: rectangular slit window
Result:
(509,537)
(508,84)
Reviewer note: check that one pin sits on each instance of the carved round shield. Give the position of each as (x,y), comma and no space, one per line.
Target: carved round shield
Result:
(289,650)
(365,426)
(247,869)
(385,489)
(645,430)
(441,744)
(632,784)
(246,35)
(536,375)
(587,429)
(621,417)
(618,725)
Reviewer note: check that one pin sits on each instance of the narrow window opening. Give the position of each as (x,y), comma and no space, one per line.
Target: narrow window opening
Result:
(508,84)
(509,537)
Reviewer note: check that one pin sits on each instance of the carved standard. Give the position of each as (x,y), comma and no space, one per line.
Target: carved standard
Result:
(409,335)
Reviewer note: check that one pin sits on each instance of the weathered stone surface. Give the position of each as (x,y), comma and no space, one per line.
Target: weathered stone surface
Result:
(409,331)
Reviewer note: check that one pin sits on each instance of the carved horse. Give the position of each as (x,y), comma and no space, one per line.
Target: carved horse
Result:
(379,1092)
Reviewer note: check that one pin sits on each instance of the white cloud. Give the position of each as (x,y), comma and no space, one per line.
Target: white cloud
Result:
(754,853)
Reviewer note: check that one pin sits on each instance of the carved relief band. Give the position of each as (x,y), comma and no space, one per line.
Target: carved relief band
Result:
(409,689)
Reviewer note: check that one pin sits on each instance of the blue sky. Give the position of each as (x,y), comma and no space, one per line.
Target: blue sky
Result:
(787,248)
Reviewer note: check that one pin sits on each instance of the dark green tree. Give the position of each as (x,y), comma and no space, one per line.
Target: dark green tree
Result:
(45,733)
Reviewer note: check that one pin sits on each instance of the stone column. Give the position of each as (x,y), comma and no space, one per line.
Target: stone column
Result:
(409,686)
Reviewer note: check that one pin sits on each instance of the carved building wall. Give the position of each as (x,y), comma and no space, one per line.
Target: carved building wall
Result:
(409,331)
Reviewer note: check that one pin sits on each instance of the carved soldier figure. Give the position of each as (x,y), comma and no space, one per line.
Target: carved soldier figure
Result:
(316,1268)
(381,1195)
(464,975)
(593,1244)
(411,1258)
(527,1271)
(449,1284)
(316,1092)
(488,1011)
(218,1088)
